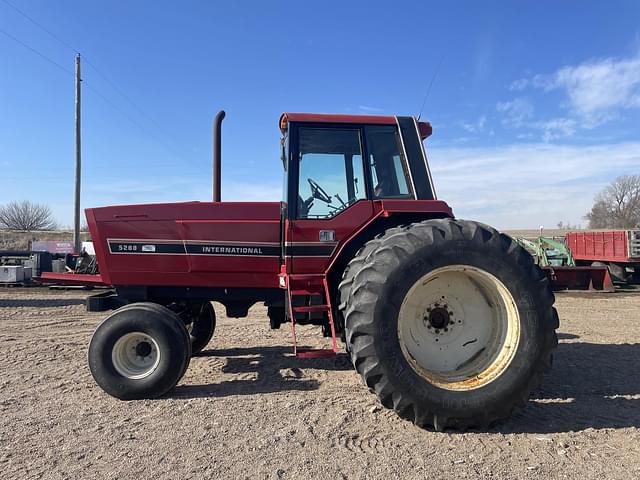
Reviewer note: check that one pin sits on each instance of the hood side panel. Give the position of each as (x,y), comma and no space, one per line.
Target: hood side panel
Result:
(230,244)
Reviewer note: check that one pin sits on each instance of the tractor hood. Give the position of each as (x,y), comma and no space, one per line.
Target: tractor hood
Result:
(230,244)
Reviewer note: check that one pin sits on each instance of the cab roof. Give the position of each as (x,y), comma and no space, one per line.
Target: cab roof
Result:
(286,117)
(335,118)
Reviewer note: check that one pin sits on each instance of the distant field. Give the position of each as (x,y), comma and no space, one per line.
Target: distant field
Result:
(551,232)
(19,240)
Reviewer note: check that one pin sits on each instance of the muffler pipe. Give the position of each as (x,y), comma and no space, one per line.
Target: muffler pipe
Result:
(217,154)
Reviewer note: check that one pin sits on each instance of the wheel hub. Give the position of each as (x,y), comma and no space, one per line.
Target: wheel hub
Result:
(143,349)
(135,355)
(439,318)
(458,327)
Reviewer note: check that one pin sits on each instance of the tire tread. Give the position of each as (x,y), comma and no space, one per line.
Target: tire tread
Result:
(364,278)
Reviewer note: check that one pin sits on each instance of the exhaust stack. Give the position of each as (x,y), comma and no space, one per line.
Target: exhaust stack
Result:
(217,154)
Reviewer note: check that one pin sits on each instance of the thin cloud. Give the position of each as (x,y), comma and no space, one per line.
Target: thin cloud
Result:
(557,128)
(517,112)
(519,85)
(529,184)
(598,85)
(475,127)
(595,92)
(370,109)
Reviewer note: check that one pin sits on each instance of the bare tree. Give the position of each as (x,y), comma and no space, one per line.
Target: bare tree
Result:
(26,216)
(618,205)
(568,226)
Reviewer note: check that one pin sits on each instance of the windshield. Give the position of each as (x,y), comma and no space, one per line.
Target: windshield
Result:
(331,172)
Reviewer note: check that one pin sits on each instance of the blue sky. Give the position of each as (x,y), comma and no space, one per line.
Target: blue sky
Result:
(535,107)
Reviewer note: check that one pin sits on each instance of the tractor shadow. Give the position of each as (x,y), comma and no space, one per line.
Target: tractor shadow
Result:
(261,370)
(590,386)
(41,302)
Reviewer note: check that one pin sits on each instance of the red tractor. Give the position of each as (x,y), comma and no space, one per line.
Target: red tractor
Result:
(448,321)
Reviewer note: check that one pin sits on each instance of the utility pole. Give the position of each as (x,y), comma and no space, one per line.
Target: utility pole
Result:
(76,218)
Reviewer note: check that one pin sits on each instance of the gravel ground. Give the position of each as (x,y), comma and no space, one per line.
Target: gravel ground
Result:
(246,409)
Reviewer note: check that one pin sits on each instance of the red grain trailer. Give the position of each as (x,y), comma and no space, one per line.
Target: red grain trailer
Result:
(618,249)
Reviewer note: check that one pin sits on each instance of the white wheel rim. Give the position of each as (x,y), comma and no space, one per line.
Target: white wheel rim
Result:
(459,327)
(135,355)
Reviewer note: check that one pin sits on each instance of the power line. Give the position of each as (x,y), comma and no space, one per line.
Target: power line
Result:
(97,92)
(103,76)
(38,24)
(41,55)
(123,95)
(130,118)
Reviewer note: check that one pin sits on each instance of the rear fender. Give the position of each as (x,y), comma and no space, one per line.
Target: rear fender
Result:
(389,214)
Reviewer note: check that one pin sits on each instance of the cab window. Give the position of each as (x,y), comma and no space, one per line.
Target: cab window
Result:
(389,173)
(331,171)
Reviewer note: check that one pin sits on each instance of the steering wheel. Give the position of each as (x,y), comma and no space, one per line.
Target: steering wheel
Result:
(318,192)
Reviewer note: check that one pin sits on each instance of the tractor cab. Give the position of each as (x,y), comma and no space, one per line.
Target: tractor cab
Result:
(341,173)
(332,162)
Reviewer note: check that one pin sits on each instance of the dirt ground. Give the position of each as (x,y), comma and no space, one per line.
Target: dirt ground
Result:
(247,409)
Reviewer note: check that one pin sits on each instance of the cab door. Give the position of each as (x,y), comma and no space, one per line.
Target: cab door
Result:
(328,193)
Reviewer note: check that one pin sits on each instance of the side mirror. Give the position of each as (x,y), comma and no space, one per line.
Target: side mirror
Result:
(425,130)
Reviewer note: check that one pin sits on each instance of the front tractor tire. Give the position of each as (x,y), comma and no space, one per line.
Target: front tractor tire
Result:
(139,351)
(449,322)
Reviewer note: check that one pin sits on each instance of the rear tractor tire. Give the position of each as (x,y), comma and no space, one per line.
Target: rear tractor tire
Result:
(139,351)
(449,322)
(276,316)
(202,327)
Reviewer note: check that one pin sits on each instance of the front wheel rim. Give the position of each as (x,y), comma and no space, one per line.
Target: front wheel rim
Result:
(459,327)
(135,355)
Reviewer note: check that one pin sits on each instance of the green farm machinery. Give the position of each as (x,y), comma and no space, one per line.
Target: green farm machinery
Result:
(555,258)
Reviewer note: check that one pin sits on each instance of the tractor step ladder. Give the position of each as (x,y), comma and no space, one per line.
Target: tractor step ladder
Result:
(309,285)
